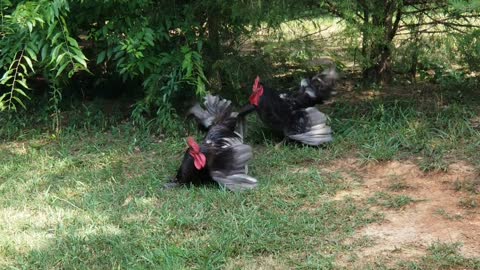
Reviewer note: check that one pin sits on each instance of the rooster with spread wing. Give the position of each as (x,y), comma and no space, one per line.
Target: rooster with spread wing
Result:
(222,156)
(294,116)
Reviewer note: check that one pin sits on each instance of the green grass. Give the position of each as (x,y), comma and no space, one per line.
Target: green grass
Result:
(92,198)
(445,214)
(398,185)
(390,201)
(396,127)
(95,200)
(442,256)
(469,202)
(471,186)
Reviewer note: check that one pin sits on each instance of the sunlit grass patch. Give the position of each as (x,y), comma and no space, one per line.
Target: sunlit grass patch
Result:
(96,200)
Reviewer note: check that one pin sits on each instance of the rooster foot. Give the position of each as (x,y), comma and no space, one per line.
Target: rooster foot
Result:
(277,146)
(170,185)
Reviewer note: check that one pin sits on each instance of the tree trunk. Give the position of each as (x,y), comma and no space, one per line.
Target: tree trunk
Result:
(213,45)
(379,53)
(381,70)
(416,41)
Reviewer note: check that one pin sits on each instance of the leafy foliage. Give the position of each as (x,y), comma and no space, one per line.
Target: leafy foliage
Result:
(469,46)
(163,54)
(163,45)
(35,38)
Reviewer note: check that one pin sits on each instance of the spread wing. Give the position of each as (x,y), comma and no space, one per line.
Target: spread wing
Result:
(309,126)
(216,109)
(227,159)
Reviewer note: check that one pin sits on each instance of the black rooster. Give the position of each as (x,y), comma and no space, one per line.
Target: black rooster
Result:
(315,90)
(289,115)
(221,157)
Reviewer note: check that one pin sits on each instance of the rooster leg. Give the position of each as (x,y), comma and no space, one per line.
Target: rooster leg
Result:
(170,185)
(242,127)
(243,131)
(277,146)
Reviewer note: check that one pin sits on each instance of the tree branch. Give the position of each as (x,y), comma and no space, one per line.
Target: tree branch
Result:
(332,9)
(427,9)
(394,29)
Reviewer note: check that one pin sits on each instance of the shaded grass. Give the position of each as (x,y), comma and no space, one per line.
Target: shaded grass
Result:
(390,128)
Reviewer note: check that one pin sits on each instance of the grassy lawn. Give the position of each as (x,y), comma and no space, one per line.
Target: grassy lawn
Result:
(92,197)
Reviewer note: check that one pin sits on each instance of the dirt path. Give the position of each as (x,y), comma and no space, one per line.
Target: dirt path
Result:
(445,210)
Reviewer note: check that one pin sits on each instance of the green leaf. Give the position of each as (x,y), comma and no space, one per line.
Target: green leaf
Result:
(24,69)
(101,57)
(138,55)
(2,98)
(60,70)
(200,86)
(24,84)
(76,51)
(110,52)
(30,26)
(38,19)
(72,42)
(5,80)
(59,58)
(55,37)
(19,102)
(6,75)
(29,62)
(51,28)
(20,91)
(80,60)
(118,55)
(44,51)
(31,53)
(54,53)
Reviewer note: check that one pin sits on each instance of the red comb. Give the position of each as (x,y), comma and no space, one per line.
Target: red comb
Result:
(256,84)
(257,92)
(193,144)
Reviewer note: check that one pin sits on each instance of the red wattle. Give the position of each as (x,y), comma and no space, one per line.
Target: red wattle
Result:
(256,95)
(199,160)
(254,99)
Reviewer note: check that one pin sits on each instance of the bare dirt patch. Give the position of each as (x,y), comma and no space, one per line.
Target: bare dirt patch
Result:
(436,216)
